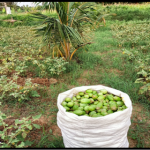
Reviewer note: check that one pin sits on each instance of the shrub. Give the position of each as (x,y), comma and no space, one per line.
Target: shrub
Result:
(50,66)
(16,138)
(11,91)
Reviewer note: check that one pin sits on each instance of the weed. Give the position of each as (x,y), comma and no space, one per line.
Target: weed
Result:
(56,142)
(88,60)
(13,139)
(56,89)
(110,60)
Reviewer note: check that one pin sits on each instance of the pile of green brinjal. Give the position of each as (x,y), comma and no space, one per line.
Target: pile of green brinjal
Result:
(93,104)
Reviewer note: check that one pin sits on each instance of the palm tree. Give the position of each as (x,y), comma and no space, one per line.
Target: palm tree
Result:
(64,33)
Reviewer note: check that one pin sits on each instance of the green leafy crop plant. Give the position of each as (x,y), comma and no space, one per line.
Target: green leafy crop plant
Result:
(133,38)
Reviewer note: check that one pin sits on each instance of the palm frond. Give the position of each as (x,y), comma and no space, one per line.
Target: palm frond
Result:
(67,29)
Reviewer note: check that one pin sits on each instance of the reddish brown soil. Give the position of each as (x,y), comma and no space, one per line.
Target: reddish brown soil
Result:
(83,78)
(132,143)
(116,71)
(48,125)
(36,134)
(41,81)
(46,121)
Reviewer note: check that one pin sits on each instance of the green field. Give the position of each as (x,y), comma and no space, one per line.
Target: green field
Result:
(118,52)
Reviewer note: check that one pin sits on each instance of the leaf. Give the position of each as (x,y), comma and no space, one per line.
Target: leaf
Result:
(4,116)
(20,122)
(21,145)
(3,136)
(50,131)
(24,135)
(15,140)
(28,143)
(36,126)
(20,138)
(141,91)
(29,121)
(35,94)
(16,121)
(40,56)
(139,80)
(29,127)
(5,129)
(5,146)
(144,73)
(36,117)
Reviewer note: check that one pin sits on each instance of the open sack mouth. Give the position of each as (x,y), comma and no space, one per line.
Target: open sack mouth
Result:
(98,120)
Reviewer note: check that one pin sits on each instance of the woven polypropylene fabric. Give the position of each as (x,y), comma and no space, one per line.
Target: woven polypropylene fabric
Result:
(83,131)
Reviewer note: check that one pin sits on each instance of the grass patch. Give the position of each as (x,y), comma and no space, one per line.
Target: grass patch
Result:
(25,18)
(103,63)
(127,12)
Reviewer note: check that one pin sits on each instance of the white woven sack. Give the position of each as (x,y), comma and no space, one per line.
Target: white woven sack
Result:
(83,131)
